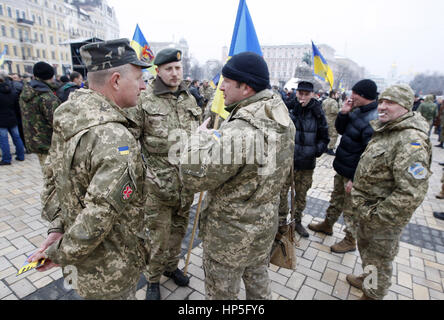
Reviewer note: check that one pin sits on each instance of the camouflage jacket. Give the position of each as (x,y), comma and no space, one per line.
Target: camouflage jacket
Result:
(243,166)
(428,109)
(96,178)
(391,180)
(208,93)
(331,109)
(38,103)
(165,115)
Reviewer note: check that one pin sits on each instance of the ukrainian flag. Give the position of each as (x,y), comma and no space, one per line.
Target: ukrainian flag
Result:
(2,57)
(321,68)
(142,48)
(244,39)
(215,81)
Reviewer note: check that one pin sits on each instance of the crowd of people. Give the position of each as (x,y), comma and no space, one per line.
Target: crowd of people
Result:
(118,205)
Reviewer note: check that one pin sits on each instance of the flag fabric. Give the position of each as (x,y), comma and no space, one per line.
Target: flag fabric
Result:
(341,87)
(215,81)
(321,67)
(142,48)
(244,39)
(2,57)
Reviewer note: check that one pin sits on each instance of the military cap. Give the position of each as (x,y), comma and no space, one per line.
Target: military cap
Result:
(167,55)
(104,55)
(305,86)
(401,94)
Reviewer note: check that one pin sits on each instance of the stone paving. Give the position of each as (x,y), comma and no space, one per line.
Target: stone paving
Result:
(418,271)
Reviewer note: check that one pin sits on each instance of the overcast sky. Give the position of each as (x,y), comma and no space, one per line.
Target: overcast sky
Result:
(376,34)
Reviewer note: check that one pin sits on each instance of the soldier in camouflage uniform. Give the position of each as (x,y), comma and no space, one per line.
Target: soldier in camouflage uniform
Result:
(95,180)
(331,109)
(428,110)
(38,103)
(207,92)
(166,106)
(239,219)
(391,181)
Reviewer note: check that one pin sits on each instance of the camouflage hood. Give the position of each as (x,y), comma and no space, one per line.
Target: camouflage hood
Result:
(263,111)
(89,109)
(428,98)
(410,120)
(35,88)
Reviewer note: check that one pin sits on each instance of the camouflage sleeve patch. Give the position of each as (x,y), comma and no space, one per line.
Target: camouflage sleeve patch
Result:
(418,171)
(122,192)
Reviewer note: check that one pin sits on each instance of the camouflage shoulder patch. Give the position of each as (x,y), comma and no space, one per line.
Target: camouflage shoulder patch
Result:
(418,171)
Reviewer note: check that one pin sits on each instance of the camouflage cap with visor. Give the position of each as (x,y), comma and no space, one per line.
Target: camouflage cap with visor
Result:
(104,55)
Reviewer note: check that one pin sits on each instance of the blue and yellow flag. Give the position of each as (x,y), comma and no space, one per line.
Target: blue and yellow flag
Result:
(321,68)
(341,87)
(142,48)
(244,39)
(2,57)
(215,81)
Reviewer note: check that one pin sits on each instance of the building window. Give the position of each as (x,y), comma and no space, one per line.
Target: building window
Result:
(38,53)
(51,40)
(53,56)
(44,54)
(40,20)
(49,23)
(15,50)
(6,48)
(12,32)
(23,15)
(17,13)
(42,40)
(3,31)
(29,52)
(1,9)
(9,12)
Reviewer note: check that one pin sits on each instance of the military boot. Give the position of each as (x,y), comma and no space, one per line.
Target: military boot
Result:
(365,297)
(441,194)
(348,244)
(179,278)
(323,227)
(355,281)
(301,230)
(153,291)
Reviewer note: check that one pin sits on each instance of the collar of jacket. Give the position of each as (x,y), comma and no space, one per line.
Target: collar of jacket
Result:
(159,87)
(298,106)
(264,94)
(369,107)
(408,120)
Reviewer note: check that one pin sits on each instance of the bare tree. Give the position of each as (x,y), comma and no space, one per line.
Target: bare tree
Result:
(428,84)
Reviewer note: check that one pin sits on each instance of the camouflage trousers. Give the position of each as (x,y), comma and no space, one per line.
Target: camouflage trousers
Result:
(378,249)
(222,282)
(42,158)
(167,228)
(340,202)
(333,134)
(303,181)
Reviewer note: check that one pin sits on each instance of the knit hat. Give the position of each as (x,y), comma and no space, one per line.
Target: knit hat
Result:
(402,94)
(43,70)
(367,89)
(249,68)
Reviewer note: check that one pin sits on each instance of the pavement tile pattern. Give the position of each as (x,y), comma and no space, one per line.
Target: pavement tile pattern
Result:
(418,271)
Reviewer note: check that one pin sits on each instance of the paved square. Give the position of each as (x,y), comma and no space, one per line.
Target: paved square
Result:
(418,271)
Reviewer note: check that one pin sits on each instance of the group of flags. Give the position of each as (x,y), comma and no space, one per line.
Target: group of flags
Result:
(244,39)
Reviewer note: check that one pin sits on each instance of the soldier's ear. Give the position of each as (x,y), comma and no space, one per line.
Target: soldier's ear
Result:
(114,80)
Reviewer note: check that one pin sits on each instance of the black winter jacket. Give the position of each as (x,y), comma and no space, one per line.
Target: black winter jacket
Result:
(311,138)
(356,133)
(8,105)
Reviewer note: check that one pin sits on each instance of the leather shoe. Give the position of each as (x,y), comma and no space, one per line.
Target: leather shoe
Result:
(179,278)
(301,230)
(438,215)
(2,163)
(153,291)
(441,164)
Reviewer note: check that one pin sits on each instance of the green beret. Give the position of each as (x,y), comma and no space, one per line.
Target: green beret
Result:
(167,55)
(104,55)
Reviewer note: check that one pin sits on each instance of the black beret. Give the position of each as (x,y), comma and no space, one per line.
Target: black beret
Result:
(110,54)
(167,55)
(43,70)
